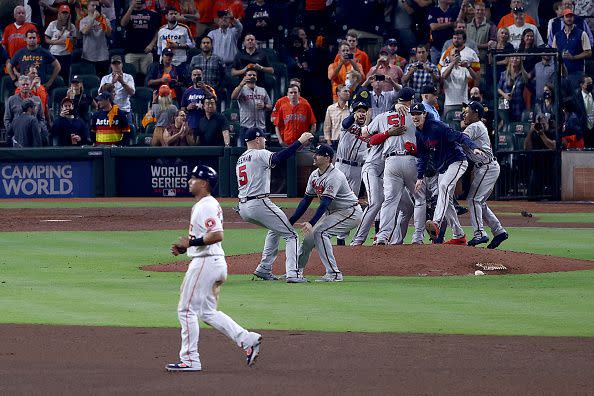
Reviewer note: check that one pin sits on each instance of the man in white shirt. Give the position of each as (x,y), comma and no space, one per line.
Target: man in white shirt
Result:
(520,24)
(123,83)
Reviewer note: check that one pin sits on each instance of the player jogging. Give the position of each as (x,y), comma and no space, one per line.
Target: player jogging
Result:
(253,179)
(201,286)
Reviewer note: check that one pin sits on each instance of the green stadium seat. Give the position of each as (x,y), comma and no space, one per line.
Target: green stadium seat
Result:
(82,68)
(506,141)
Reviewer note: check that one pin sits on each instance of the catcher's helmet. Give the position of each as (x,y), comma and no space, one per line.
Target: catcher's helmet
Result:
(205,173)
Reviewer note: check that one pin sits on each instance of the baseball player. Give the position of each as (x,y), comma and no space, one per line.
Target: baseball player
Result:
(253,179)
(450,164)
(399,151)
(485,174)
(338,213)
(201,286)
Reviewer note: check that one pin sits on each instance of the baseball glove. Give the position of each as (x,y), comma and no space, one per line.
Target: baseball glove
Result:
(176,250)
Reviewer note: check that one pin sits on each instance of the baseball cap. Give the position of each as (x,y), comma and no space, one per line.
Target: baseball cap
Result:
(429,89)
(64,8)
(324,150)
(360,104)
(167,52)
(116,58)
(518,10)
(384,51)
(65,100)
(103,96)
(75,78)
(406,94)
(568,11)
(253,133)
(391,41)
(164,90)
(417,108)
(477,107)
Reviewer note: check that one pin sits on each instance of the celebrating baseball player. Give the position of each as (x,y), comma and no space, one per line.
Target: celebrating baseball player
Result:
(450,163)
(207,272)
(253,177)
(338,213)
(485,174)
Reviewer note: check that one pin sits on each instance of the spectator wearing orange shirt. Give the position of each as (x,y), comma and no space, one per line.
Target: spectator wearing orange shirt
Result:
(344,63)
(361,56)
(285,99)
(294,118)
(508,19)
(13,38)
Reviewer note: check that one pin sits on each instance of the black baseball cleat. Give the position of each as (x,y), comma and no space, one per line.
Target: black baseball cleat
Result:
(340,242)
(267,276)
(477,240)
(497,239)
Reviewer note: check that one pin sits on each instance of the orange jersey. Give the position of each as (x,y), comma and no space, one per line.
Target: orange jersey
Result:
(292,121)
(508,20)
(13,38)
(340,78)
(282,101)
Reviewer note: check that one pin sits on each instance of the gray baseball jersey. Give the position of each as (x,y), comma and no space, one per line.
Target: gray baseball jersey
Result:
(350,147)
(253,172)
(477,131)
(333,184)
(397,143)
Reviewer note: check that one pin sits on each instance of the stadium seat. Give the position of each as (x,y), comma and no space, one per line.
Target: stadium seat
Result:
(506,141)
(590,67)
(140,102)
(270,54)
(527,116)
(282,77)
(452,115)
(82,68)
(130,69)
(56,97)
(518,131)
(58,83)
(7,88)
(89,81)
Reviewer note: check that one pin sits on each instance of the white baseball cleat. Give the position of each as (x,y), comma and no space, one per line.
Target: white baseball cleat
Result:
(333,277)
(253,351)
(181,366)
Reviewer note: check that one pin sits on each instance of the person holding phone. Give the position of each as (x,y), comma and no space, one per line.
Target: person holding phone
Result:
(193,99)
(95,29)
(384,68)
(225,38)
(421,72)
(337,71)
(253,104)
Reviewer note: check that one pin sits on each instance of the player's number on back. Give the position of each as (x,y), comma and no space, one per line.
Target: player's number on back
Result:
(396,120)
(243,178)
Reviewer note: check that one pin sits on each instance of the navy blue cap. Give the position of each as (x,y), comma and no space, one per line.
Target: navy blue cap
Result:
(477,107)
(253,133)
(417,108)
(167,52)
(360,104)
(325,150)
(406,94)
(392,41)
(429,89)
(103,96)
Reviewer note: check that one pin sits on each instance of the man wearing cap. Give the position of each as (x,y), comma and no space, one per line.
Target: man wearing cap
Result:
(33,54)
(140,25)
(225,38)
(437,140)
(60,35)
(165,72)
(518,27)
(123,83)
(109,124)
(485,173)
(253,178)
(557,24)
(339,212)
(68,129)
(574,45)
(421,72)
(394,59)
(429,96)
(81,101)
(508,19)
(176,36)
(95,29)
(25,130)
(381,101)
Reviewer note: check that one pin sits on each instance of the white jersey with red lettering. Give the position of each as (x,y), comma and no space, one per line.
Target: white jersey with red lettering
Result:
(253,172)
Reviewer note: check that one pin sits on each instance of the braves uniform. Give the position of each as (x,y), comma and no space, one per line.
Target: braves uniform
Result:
(343,214)
(399,173)
(450,164)
(198,301)
(253,178)
(350,156)
(485,174)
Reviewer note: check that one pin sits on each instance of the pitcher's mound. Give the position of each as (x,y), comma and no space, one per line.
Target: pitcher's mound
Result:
(409,260)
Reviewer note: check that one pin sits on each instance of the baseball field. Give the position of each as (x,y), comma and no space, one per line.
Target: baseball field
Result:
(89,292)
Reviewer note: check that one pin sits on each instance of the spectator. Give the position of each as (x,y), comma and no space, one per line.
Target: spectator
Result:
(109,125)
(442,20)
(575,46)
(13,37)
(420,72)
(37,89)
(359,93)
(518,27)
(460,25)
(546,106)
(335,113)
(391,47)
(540,137)
(527,45)
(297,55)
(459,66)
(225,38)
(585,110)
(253,104)
(541,75)
(25,130)
(179,132)
(213,129)
(13,105)
(205,17)
(502,45)
(557,24)
(337,71)
(481,31)
(383,67)
(511,88)
(429,96)
(60,35)
(294,118)
(80,100)
(68,129)
(572,134)
(124,86)
(212,65)
(509,19)
(381,101)
(352,39)
(165,72)
(251,58)
(285,99)
(188,15)
(95,29)
(163,110)
(259,18)
(175,36)
(33,54)
(140,25)
(193,99)
(232,7)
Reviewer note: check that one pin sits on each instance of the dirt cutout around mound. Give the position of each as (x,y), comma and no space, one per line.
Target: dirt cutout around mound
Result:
(408,260)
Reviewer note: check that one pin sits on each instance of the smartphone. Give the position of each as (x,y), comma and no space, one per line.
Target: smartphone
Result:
(222,13)
(380,77)
(349,56)
(99,8)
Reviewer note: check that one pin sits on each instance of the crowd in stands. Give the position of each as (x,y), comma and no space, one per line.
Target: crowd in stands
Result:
(202,72)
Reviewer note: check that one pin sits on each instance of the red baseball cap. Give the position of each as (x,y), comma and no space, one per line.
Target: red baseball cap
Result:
(567,11)
(64,8)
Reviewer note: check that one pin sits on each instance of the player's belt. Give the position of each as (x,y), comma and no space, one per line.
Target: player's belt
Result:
(244,200)
(479,164)
(398,153)
(351,163)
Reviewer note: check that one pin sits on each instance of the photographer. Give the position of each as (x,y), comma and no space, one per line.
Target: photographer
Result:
(193,99)
(541,135)
(337,71)
(253,104)
(68,129)
(381,101)
(420,73)
(540,165)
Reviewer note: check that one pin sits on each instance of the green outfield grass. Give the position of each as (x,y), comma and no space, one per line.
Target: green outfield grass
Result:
(92,278)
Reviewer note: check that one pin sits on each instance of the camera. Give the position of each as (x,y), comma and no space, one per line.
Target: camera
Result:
(198,78)
(380,77)
(419,65)
(222,13)
(349,56)
(538,126)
